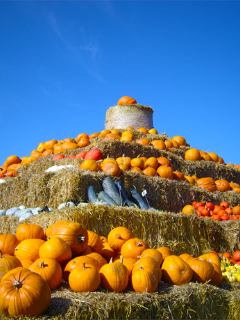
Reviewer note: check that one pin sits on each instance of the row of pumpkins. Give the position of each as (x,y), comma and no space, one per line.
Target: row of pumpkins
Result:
(30,266)
(53,146)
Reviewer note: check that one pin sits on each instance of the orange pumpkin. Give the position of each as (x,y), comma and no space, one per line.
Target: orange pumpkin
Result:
(126,100)
(165,172)
(192,154)
(180,140)
(207,183)
(159,144)
(222,185)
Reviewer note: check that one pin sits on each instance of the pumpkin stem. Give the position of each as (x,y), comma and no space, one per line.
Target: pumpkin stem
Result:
(83,266)
(138,244)
(119,236)
(41,264)
(81,238)
(17,284)
(111,260)
(139,257)
(141,268)
(121,261)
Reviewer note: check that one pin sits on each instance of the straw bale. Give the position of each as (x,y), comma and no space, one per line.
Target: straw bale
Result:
(190,301)
(134,115)
(182,233)
(69,184)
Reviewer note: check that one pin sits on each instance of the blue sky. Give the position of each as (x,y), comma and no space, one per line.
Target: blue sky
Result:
(63,64)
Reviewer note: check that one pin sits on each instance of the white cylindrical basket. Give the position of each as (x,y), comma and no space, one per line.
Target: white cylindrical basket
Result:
(134,115)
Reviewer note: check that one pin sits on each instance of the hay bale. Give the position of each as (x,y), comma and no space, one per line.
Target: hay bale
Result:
(190,301)
(134,115)
(182,233)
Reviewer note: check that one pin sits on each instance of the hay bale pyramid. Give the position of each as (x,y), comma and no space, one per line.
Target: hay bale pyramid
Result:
(162,224)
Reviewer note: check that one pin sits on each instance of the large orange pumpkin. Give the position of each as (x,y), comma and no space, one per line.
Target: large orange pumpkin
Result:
(27,294)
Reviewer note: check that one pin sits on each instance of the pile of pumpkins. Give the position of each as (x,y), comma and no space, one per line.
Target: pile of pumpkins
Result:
(221,212)
(34,262)
(44,149)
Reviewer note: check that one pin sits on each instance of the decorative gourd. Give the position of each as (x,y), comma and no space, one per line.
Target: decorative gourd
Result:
(85,278)
(41,147)
(27,287)
(8,243)
(28,249)
(73,233)
(118,236)
(29,231)
(207,183)
(56,248)
(49,269)
(126,100)
(176,271)
(94,241)
(114,276)
(133,248)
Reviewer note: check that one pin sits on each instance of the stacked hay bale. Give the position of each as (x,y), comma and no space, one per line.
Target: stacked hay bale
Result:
(165,226)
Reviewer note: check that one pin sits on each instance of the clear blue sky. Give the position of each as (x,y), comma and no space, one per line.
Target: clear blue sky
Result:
(63,64)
